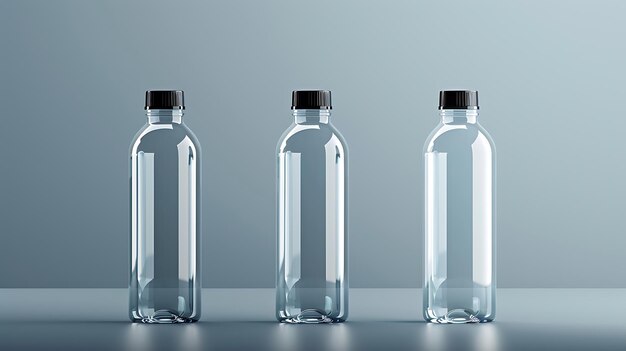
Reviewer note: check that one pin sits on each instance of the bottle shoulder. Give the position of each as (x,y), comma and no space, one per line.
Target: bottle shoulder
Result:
(299,137)
(153,137)
(450,137)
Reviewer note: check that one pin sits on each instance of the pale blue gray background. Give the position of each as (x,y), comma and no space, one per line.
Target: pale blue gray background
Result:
(550,76)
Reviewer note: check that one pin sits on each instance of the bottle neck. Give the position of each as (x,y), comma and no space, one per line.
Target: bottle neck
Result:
(164,116)
(458,116)
(307,116)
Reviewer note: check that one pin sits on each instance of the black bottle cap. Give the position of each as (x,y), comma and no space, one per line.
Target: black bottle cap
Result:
(165,100)
(458,99)
(310,99)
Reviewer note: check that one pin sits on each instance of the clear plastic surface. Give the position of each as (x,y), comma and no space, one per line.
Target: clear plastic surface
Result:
(165,221)
(459,221)
(312,284)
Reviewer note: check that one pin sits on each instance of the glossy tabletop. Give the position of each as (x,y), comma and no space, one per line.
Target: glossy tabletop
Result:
(380,319)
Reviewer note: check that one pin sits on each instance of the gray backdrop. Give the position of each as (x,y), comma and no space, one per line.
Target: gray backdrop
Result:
(550,76)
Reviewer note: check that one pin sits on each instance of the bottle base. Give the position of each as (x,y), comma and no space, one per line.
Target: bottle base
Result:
(311,317)
(163,317)
(458,316)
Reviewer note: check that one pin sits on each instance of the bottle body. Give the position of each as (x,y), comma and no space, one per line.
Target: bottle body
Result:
(459,221)
(312,281)
(165,180)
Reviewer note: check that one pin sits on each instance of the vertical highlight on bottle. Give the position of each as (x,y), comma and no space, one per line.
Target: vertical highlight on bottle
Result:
(312,277)
(459,216)
(165,182)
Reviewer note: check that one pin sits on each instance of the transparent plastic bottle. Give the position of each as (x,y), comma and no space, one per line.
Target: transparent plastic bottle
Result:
(459,215)
(165,179)
(312,282)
